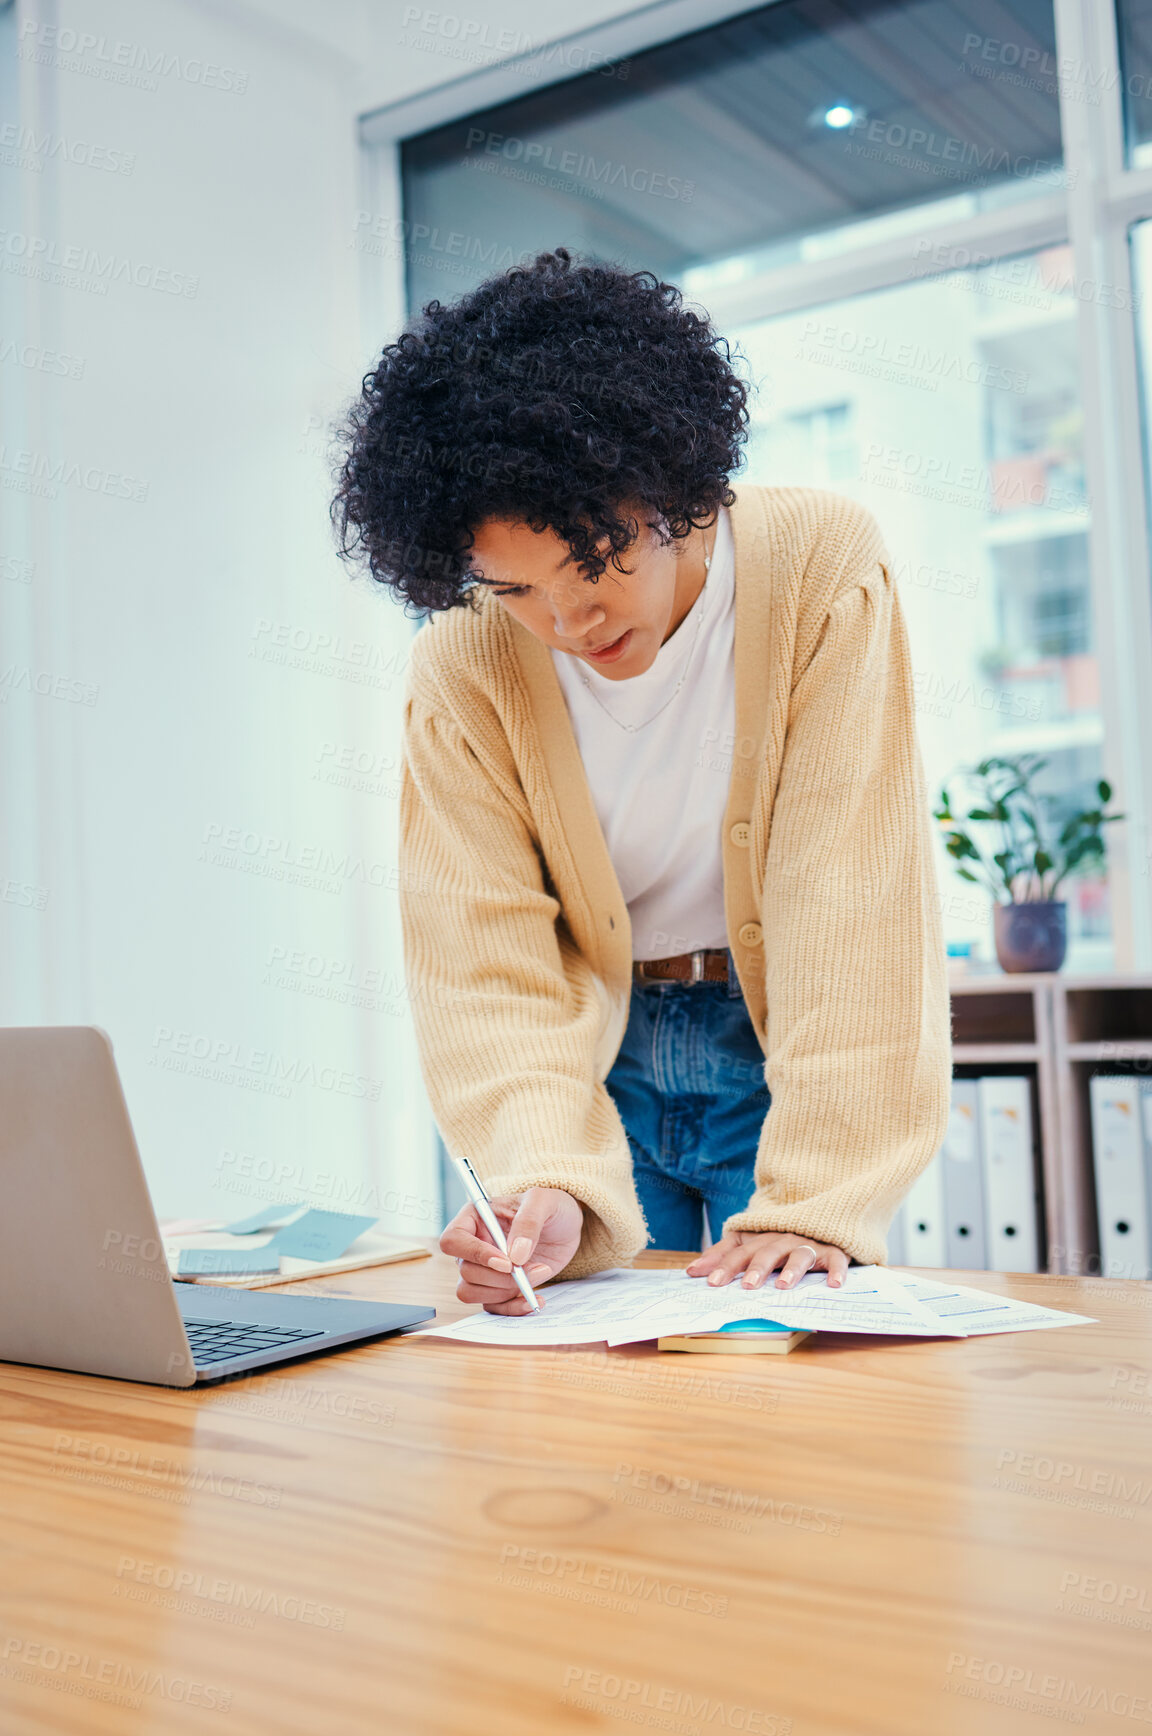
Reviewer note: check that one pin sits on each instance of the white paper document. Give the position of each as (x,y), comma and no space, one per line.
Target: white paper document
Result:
(977,1311)
(627,1307)
(581,1311)
(867,1301)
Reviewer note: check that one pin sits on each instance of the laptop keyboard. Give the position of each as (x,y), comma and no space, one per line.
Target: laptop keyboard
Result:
(221,1340)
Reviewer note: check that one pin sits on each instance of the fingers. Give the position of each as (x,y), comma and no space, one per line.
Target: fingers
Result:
(711,1257)
(837,1268)
(519,1306)
(732,1256)
(494,1290)
(783,1253)
(764,1261)
(466,1238)
(486,1283)
(528,1224)
(758,1256)
(485,1272)
(464,1246)
(799,1261)
(487,1290)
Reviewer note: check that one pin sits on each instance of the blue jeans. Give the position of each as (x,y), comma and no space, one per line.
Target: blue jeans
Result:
(689,1085)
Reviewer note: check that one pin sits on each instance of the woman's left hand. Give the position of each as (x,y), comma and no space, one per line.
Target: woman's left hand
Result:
(756,1253)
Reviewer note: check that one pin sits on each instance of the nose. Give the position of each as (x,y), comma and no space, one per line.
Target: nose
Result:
(574,613)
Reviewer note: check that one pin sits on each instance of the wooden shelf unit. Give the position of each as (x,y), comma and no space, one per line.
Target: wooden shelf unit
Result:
(1059,1030)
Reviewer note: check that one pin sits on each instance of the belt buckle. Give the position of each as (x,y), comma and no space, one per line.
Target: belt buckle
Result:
(697,975)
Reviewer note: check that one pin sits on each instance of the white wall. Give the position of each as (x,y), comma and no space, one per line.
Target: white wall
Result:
(181,656)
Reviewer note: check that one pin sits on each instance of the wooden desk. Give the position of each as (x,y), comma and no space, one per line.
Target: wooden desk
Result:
(860,1539)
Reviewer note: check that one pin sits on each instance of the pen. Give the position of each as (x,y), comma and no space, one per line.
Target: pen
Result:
(475,1190)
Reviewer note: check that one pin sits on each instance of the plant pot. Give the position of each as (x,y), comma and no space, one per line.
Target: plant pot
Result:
(1031,936)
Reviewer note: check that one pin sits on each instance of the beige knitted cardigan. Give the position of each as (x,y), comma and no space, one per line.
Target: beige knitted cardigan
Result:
(517,940)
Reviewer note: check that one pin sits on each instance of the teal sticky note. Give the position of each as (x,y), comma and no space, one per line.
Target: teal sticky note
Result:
(263,1219)
(755,1326)
(220,1262)
(319,1236)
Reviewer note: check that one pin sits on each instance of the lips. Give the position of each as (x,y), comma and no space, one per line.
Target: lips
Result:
(609,653)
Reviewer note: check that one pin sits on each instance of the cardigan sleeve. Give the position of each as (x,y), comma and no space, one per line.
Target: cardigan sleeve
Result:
(858,1029)
(507,1011)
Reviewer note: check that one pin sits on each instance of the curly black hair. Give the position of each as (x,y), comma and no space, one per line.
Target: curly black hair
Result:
(556,394)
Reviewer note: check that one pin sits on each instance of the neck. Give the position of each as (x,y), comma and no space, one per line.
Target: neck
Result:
(691,576)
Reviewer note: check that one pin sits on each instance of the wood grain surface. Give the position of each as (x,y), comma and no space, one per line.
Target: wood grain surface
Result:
(865,1538)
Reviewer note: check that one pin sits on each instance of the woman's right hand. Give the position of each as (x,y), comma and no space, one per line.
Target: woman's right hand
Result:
(542,1227)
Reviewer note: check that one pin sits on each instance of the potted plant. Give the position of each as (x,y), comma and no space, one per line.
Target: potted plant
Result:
(1030,923)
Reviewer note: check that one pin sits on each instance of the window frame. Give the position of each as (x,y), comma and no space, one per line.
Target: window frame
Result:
(1094,214)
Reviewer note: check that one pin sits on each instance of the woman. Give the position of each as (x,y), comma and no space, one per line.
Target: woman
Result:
(670,917)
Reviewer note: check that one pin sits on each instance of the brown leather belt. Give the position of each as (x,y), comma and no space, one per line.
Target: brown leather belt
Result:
(708,966)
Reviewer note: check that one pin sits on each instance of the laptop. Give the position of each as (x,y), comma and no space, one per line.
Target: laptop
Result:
(84,1279)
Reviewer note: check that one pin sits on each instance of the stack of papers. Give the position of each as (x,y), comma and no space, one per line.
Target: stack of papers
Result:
(627,1307)
(281,1243)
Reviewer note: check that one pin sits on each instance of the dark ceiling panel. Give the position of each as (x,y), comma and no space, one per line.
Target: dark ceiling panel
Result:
(714,145)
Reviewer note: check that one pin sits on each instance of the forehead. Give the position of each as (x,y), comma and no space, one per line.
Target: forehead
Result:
(504,545)
(507,551)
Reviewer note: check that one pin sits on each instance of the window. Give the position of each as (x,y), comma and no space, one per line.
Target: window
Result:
(1134,18)
(816,446)
(743,143)
(965,390)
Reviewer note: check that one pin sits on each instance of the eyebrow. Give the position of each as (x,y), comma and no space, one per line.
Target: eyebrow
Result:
(521,584)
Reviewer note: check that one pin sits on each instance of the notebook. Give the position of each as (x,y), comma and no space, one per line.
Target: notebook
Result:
(739,1337)
(370,1249)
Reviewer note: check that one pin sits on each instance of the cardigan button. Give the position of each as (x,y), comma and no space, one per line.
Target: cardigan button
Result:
(751,934)
(741,833)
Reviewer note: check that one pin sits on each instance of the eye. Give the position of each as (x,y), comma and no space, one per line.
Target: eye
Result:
(512,591)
